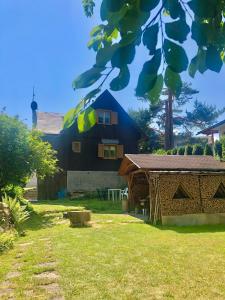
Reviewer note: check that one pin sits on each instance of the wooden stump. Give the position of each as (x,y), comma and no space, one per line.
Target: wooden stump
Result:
(125,205)
(79,218)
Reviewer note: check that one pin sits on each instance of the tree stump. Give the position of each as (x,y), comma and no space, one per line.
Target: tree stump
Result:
(79,218)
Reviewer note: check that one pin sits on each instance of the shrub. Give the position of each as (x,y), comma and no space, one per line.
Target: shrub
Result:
(18,213)
(160,152)
(208,150)
(169,152)
(222,140)
(6,241)
(181,151)
(188,150)
(198,149)
(218,149)
(174,151)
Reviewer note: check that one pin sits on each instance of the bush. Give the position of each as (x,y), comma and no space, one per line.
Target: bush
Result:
(222,140)
(218,149)
(181,151)
(188,150)
(169,152)
(160,152)
(198,149)
(208,150)
(174,151)
(18,213)
(6,241)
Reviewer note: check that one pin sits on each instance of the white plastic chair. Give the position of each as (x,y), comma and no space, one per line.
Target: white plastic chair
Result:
(124,193)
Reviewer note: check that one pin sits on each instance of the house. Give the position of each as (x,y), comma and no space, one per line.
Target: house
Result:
(176,190)
(89,160)
(210,132)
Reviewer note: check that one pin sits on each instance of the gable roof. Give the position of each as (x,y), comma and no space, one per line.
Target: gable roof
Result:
(49,123)
(52,123)
(152,162)
(212,129)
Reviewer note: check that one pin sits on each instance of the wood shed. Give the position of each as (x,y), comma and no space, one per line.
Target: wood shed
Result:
(176,190)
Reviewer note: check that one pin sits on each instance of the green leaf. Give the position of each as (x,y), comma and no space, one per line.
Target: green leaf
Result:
(131,38)
(114,6)
(205,9)
(91,95)
(96,30)
(173,81)
(124,55)
(148,5)
(193,67)
(145,83)
(202,61)
(121,81)
(175,56)
(200,33)
(174,8)
(155,92)
(71,115)
(104,55)
(134,19)
(152,66)
(95,43)
(213,59)
(88,78)
(177,30)
(150,38)
(112,17)
(86,120)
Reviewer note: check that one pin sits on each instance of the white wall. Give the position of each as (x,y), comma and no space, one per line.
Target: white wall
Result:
(92,180)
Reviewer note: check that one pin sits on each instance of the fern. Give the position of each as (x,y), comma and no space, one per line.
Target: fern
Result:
(18,213)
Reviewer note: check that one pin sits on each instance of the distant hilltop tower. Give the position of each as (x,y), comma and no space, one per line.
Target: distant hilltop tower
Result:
(34,108)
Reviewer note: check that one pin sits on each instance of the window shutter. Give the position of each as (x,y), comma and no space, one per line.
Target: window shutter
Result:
(76,147)
(100,150)
(120,151)
(114,118)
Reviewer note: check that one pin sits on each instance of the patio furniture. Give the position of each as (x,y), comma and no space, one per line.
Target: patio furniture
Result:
(114,194)
(102,193)
(124,193)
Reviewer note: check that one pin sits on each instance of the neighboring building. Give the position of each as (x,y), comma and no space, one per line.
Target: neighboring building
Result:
(89,160)
(218,128)
(176,190)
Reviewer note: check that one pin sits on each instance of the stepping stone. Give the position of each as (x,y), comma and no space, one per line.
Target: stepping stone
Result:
(19,255)
(26,244)
(51,288)
(6,292)
(12,275)
(29,293)
(47,264)
(44,239)
(18,265)
(47,275)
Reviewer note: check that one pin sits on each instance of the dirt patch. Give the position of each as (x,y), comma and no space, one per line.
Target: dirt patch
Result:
(12,275)
(6,292)
(51,288)
(47,275)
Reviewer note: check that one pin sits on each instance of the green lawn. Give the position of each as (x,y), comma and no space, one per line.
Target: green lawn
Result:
(119,257)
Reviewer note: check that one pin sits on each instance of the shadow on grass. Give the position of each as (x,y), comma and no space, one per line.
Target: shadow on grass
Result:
(95,205)
(38,221)
(193,229)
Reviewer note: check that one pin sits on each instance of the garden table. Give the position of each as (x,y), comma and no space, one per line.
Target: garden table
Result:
(114,194)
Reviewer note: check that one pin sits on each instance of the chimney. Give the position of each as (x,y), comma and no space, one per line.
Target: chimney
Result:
(34,107)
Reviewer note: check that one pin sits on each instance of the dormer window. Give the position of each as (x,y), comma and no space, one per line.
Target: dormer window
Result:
(104,117)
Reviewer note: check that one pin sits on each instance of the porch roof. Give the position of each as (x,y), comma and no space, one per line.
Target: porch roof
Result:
(149,162)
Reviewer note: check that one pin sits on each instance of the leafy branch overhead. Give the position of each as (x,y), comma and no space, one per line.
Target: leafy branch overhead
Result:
(162,27)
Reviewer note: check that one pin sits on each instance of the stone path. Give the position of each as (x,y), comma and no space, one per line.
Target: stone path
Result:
(46,278)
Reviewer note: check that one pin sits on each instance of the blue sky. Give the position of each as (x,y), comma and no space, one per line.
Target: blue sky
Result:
(43,43)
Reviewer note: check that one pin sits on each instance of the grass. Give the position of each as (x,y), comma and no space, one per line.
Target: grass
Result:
(119,257)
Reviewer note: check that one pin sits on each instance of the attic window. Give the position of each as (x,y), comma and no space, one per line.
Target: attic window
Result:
(104,117)
(181,194)
(76,147)
(220,193)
